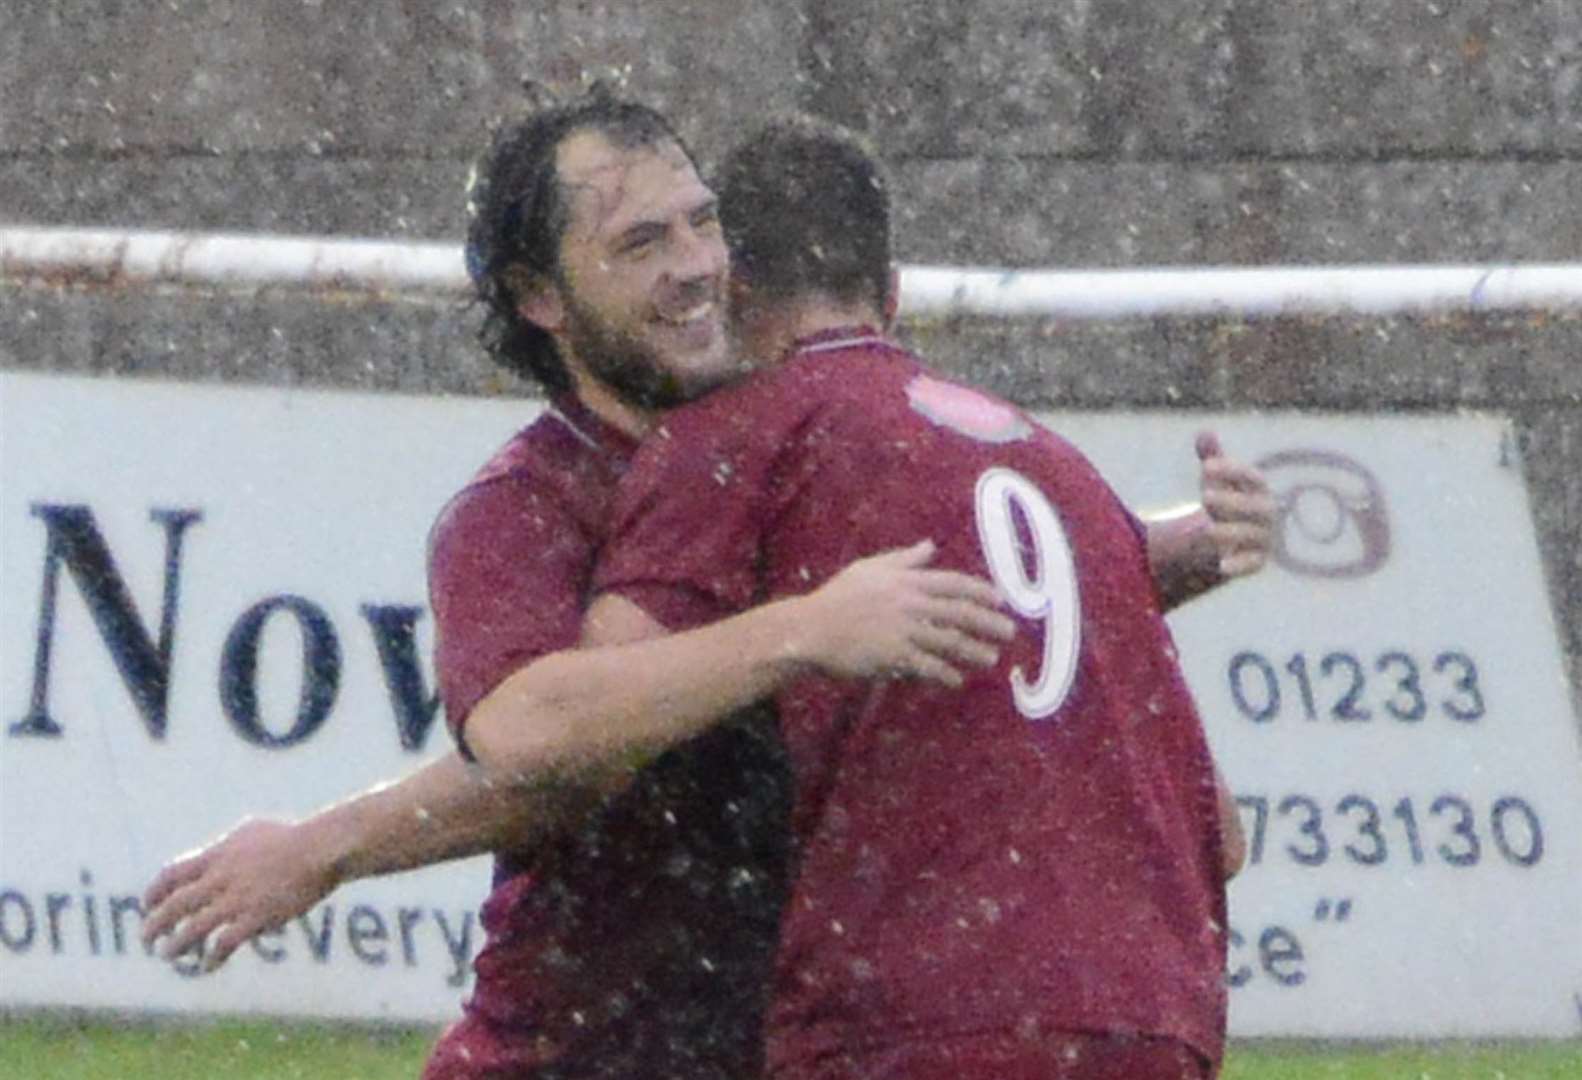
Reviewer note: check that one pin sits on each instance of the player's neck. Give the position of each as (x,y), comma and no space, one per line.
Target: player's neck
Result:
(771,332)
(609,406)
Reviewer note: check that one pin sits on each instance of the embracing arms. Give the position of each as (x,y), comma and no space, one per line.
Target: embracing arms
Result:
(914,621)
(881,616)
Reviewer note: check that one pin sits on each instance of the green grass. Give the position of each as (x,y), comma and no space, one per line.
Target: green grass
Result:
(55,1048)
(1413,1061)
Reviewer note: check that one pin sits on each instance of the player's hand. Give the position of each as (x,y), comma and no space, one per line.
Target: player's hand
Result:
(255,877)
(1240,509)
(889,616)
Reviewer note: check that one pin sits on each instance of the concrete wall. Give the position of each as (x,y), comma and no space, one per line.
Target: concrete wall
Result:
(1019,133)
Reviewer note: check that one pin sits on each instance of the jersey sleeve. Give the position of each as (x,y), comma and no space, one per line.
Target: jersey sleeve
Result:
(507,569)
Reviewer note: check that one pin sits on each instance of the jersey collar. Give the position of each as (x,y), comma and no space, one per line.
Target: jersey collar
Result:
(590,428)
(836,337)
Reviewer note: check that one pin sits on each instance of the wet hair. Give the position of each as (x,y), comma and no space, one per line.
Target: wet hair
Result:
(518,211)
(805,208)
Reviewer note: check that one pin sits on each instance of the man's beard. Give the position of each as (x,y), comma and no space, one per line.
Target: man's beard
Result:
(630,367)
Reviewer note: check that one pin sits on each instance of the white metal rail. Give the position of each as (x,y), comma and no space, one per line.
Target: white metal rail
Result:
(109,258)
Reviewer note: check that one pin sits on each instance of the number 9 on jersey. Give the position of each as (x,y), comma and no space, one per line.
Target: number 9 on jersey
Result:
(1040,583)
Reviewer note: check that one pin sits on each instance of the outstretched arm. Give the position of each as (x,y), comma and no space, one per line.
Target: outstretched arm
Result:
(1228,535)
(264,872)
(580,717)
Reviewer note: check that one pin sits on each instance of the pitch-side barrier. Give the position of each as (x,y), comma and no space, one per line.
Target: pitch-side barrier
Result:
(380,268)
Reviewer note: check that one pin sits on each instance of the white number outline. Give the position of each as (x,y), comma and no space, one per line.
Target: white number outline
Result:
(1050,595)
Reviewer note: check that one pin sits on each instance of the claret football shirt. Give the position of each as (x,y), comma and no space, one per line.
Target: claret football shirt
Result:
(1036,852)
(641,941)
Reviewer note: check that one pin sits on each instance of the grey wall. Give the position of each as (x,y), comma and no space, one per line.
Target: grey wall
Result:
(1019,132)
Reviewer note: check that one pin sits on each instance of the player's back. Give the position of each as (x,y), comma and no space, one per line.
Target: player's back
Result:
(1038,850)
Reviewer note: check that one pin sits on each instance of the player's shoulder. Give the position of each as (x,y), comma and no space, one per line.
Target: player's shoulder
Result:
(551,442)
(969,411)
(543,473)
(1069,476)
(748,411)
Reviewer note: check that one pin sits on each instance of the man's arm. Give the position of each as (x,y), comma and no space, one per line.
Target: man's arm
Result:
(1228,536)
(613,619)
(580,718)
(264,872)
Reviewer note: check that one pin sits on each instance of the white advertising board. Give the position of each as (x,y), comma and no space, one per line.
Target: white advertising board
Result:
(1390,705)
(1387,700)
(304,513)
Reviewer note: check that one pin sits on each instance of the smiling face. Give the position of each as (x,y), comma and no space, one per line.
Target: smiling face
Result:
(640,299)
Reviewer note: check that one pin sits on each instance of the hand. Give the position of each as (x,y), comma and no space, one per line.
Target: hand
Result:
(253,878)
(1240,509)
(886,615)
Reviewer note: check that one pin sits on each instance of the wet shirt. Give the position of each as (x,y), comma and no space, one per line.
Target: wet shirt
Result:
(1037,852)
(644,937)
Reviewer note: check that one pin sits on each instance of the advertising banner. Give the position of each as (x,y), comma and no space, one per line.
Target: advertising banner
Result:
(214,606)
(1389,703)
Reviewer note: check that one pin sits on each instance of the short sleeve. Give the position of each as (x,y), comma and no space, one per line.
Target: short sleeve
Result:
(508,566)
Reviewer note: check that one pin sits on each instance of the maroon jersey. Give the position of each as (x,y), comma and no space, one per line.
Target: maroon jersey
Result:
(643,940)
(1035,853)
